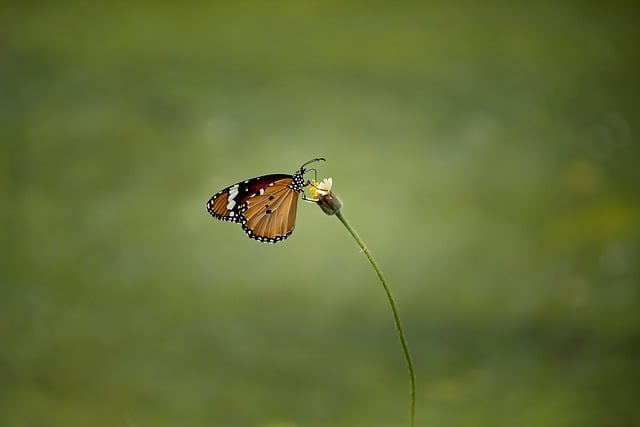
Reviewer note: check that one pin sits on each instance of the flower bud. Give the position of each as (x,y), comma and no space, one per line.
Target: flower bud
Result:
(329,203)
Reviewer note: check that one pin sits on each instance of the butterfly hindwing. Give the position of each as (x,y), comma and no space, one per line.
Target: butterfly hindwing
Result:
(271,215)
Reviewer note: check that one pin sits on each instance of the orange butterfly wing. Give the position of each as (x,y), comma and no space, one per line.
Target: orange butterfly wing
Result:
(229,204)
(271,214)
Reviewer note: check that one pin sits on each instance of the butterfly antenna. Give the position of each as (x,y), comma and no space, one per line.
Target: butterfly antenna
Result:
(317,159)
(315,174)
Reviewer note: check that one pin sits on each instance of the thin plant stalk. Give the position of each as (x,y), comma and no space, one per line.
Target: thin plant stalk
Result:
(394,309)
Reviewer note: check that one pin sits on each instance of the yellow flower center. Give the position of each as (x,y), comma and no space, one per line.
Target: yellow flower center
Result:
(312,189)
(320,189)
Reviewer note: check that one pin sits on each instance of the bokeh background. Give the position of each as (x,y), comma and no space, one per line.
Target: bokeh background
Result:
(486,151)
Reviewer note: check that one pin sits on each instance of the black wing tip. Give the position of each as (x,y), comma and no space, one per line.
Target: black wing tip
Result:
(237,217)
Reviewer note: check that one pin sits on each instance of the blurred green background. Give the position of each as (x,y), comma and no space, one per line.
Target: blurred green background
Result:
(486,151)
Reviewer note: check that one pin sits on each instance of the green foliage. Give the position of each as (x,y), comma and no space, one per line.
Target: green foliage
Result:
(487,152)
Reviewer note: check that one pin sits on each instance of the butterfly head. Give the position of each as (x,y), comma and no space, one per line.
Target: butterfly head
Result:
(297,181)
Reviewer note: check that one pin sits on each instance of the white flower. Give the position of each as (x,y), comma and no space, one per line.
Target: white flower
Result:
(320,189)
(322,195)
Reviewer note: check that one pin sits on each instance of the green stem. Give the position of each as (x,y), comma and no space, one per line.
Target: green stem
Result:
(396,317)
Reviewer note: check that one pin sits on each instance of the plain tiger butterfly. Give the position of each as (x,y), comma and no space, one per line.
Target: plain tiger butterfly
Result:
(265,206)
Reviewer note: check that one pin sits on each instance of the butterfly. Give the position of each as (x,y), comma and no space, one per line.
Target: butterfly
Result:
(265,206)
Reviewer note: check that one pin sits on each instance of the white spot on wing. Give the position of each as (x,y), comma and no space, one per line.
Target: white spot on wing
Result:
(231,199)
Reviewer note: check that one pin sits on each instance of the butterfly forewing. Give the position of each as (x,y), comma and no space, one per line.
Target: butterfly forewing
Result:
(228,204)
(217,206)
